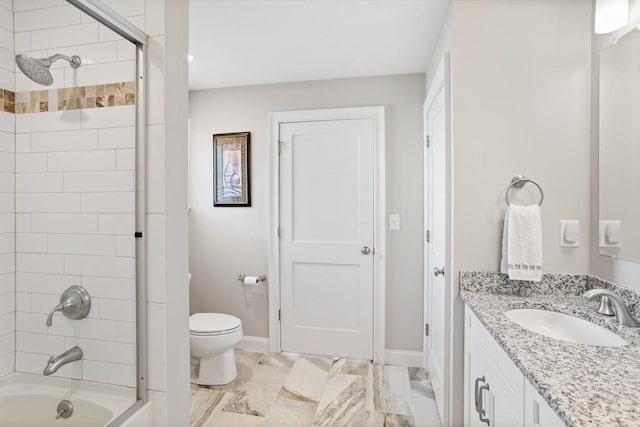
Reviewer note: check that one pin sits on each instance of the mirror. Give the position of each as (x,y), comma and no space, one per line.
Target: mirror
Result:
(619,140)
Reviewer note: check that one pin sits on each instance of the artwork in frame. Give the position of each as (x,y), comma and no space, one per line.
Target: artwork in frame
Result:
(231,169)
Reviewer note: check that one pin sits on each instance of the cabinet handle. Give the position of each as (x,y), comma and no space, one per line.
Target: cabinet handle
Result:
(482,412)
(478,381)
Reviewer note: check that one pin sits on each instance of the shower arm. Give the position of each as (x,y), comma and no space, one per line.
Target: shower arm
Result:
(74,60)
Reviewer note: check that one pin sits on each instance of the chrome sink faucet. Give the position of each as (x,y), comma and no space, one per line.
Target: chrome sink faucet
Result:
(623,315)
(58,362)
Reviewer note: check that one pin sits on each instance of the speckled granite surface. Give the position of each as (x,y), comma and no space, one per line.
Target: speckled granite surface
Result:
(585,385)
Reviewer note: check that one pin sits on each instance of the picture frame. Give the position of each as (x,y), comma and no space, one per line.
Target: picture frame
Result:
(232,169)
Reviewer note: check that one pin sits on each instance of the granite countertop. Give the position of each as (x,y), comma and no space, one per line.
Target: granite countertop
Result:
(585,385)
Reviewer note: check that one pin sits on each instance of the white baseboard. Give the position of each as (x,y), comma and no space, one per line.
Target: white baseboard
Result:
(403,358)
(391,356)
(257,344)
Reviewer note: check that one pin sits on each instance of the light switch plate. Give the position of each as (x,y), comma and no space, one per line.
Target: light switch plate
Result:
(570,233)
(394,222)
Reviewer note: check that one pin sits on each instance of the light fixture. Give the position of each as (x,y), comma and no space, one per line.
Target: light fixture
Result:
(611,15)
(189,58)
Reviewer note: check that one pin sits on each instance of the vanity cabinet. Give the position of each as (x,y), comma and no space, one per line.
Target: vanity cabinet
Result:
(496,393)
(537,412)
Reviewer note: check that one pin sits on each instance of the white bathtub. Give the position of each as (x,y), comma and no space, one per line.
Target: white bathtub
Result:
(30,401)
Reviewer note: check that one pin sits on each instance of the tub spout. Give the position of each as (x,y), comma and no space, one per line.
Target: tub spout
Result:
(57,362)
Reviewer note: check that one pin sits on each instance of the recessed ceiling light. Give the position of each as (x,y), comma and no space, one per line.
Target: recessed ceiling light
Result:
(189,58)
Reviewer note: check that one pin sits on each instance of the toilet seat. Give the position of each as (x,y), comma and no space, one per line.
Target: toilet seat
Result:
(209,324)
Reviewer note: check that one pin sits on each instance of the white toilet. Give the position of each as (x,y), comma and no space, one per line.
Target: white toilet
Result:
(212,337)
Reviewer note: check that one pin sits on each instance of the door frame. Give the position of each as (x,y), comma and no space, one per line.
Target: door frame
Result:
(442,82)
(377,115)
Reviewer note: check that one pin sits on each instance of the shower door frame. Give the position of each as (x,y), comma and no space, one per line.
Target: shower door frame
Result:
(112,20)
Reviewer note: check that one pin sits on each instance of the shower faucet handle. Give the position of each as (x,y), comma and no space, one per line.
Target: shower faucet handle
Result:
(58,307)
(75,303)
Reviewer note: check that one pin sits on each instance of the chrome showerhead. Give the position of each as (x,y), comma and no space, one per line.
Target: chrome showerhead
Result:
(38,69)
(35,69)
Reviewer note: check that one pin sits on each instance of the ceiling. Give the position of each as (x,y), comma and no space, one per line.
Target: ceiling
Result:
(249,42)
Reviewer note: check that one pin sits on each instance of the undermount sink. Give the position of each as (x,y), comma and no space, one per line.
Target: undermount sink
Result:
(564,327)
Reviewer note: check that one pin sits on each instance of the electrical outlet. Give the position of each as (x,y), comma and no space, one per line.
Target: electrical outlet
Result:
(570,233)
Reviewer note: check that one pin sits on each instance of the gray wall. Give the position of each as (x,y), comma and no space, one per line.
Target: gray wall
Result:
(521,104)
(225,242)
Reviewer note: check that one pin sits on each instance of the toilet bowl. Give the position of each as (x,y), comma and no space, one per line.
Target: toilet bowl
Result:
(212,338)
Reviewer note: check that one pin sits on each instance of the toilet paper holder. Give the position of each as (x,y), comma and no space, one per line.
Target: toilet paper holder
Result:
(261,277)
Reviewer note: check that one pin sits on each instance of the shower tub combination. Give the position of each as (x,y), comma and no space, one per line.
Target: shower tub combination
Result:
(30,400)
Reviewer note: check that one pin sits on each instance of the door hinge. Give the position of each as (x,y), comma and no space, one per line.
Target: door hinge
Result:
(428,141)
(280,146)
(278,232)
(426,329)
(279,315)
(428,236)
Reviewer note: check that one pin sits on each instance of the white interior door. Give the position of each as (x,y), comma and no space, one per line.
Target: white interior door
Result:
(326,237)
(435,247)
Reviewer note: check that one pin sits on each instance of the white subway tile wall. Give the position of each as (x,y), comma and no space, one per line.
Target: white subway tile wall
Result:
(157,313)
(7,200)
(7,81)
(74,199)
(78,231)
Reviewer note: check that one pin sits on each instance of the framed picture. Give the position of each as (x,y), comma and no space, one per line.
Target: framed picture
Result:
(231,173)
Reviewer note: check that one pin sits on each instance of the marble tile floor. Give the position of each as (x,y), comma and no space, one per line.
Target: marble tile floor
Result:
(281,390)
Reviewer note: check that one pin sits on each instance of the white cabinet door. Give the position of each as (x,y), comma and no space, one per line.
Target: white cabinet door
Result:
(506,406)
(496,392)
(494,386)
(537,412)
(478,386)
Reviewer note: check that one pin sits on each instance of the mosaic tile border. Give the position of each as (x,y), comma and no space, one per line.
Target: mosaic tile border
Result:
(8,100)
(76,98)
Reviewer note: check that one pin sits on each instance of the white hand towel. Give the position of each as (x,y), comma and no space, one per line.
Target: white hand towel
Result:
(522,243)
(505,239)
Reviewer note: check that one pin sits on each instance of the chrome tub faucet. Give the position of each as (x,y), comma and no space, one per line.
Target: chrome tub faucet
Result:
(59,361)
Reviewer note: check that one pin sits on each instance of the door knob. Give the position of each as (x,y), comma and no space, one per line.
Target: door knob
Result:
(365,250)
(438,271)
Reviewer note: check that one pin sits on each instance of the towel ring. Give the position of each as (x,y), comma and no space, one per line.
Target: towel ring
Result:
(519,181)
